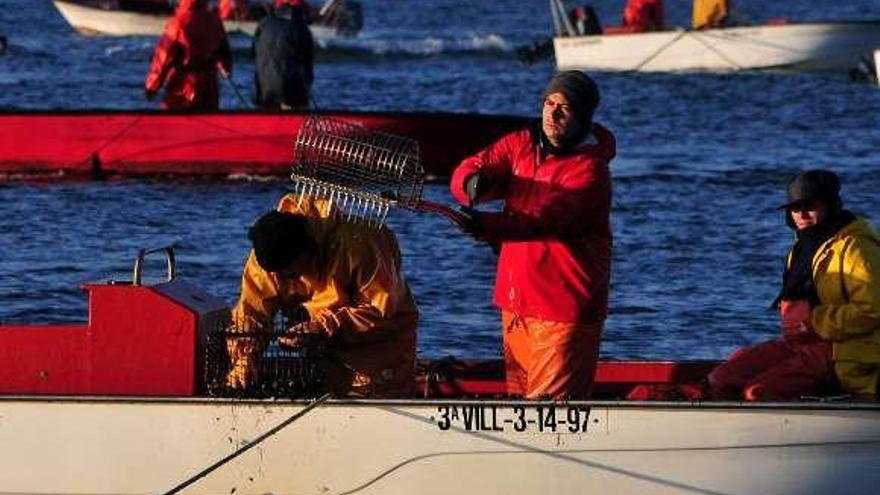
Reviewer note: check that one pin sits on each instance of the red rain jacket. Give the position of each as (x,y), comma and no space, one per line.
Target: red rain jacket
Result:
(643,15)
(555,232)
(234,10)
(186,58)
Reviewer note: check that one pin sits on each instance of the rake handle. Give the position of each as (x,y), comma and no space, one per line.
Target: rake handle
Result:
(455,216)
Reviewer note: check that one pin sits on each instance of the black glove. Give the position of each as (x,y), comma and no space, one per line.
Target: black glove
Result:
(475,185)
(149,94)
(472,226)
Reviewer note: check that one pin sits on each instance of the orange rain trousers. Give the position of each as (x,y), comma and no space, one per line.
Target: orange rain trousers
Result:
(549,359)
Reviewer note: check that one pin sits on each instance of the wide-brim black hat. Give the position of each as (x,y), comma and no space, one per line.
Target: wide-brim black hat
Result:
(811,186)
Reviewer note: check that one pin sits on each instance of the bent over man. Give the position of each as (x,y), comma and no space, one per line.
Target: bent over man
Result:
(554,234)
(348,278)
(187,57)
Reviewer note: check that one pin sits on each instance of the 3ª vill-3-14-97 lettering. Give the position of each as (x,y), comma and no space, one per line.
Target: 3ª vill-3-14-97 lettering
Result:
(544,418)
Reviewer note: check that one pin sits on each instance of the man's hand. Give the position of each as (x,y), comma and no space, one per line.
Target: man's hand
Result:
(242,374)
(797,317)
(475,186)
(302,335)
(149,94)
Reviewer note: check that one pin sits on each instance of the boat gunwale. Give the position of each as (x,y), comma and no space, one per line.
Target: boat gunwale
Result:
(801,405)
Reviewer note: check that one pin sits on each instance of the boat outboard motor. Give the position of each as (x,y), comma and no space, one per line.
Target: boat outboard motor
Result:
(865,71)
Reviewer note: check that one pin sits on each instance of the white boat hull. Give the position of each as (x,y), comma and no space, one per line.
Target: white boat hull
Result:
(122,446)
(99,22)
(818,46)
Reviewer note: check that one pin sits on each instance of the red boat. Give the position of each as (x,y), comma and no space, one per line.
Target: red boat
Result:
(106,144)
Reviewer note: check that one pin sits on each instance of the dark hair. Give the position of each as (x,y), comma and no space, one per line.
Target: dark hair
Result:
(278,239)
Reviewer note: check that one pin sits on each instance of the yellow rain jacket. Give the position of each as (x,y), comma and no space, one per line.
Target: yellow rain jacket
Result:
(846,271)
(710,13)
(355,292)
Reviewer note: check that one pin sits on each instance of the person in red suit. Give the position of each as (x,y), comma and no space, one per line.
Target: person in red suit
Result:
(187,57)
(234,10)
(643,15)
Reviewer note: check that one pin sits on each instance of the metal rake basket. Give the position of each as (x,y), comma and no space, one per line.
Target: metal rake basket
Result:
(361,172)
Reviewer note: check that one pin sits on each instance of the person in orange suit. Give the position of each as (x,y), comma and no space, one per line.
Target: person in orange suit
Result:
(711,14)
(347,279)
(234,10)
(187,57)
(643,15)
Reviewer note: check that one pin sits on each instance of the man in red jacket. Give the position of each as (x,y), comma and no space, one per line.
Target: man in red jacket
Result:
(554,233)
(187,57)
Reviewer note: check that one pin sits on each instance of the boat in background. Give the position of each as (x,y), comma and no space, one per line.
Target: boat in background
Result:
(106,144)
(809,46)
(122,404)
(148,17)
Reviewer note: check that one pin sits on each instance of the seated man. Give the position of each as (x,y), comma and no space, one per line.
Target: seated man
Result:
(643,15)
(829,303)
(348,278)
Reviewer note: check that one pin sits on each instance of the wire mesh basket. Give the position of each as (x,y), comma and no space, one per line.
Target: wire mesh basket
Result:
(278,371)
(361,172)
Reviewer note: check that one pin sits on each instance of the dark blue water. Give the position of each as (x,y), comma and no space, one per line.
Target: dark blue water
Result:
(702,161)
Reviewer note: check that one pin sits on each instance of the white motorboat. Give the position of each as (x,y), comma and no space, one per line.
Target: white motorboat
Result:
(111,18)
(123,404)
(813,46)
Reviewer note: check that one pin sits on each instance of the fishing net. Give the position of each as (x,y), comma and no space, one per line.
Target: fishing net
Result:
(279,369)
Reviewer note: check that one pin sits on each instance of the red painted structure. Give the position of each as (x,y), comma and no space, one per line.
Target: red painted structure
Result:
(102,144)
(149,341)
(139,340)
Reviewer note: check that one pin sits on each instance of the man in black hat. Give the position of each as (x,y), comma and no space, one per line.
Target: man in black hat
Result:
(829,304)
(554,235)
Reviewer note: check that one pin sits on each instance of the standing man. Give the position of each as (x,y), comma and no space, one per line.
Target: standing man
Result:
(189,53)
(284,65)
(829,306)
(554,233)
(348,278)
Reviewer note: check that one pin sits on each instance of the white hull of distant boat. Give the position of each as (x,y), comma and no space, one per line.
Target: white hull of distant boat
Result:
(127,446)
(808,46)
(94,21)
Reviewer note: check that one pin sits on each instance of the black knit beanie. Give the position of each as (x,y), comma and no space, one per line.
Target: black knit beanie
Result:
(580,90)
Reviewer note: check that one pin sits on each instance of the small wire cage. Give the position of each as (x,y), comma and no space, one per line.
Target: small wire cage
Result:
(279,371)
(361,172)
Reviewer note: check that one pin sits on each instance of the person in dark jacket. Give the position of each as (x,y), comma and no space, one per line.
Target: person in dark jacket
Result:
(284,65)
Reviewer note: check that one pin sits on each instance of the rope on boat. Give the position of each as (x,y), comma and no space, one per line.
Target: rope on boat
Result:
(761,43)
(718,52)
(235,90)
(95,155)
(208,470)
(660,50)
